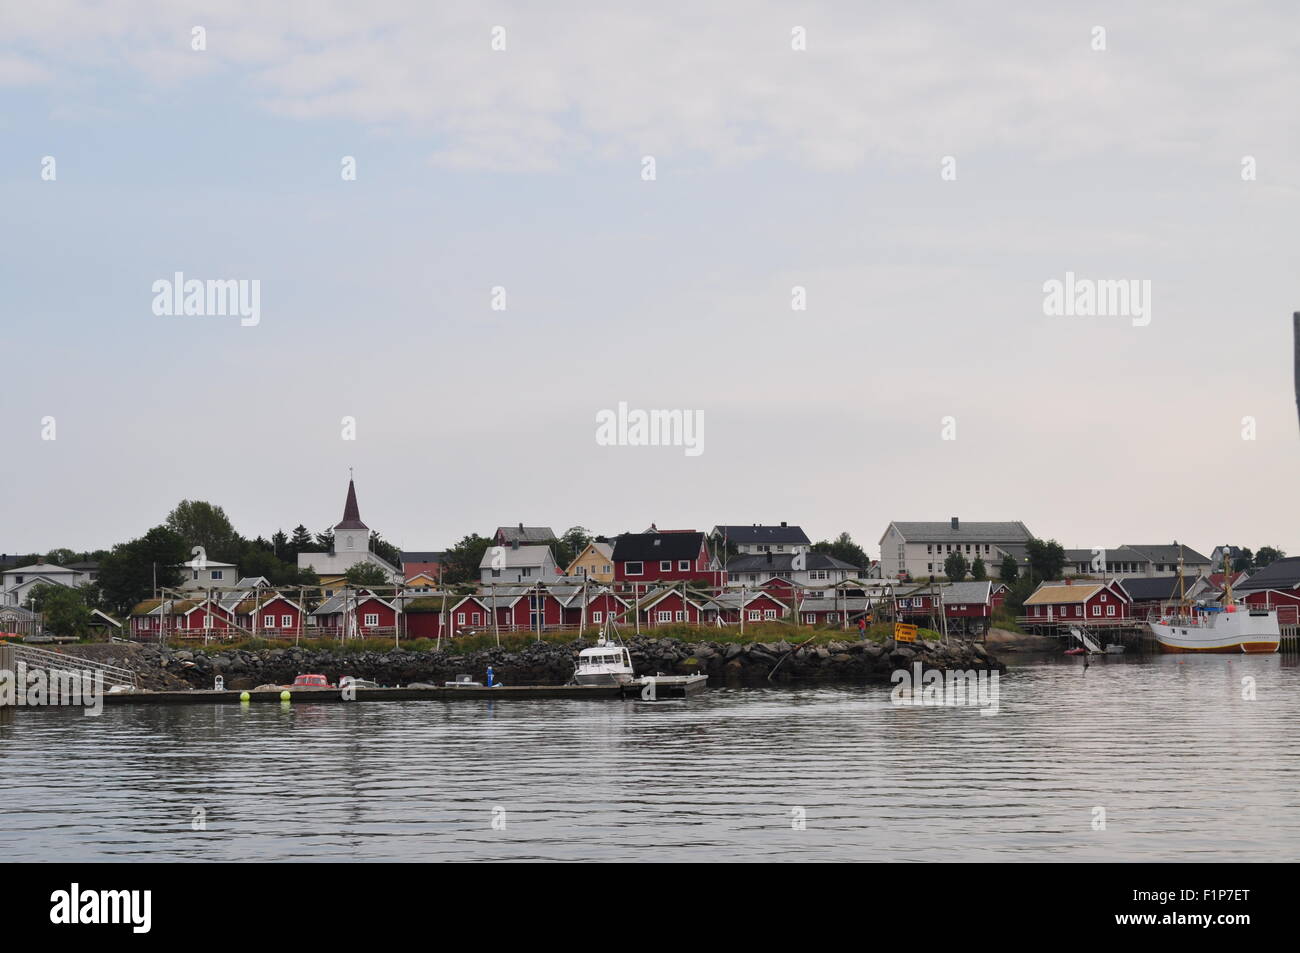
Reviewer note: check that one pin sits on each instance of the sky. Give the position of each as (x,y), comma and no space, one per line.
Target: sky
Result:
(921,171)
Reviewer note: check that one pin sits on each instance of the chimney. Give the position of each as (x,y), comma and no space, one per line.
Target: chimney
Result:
(521,527)
(782,522)
(956,523)
(515,544)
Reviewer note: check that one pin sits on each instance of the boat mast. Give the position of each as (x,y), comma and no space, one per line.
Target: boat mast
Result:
(1227,581)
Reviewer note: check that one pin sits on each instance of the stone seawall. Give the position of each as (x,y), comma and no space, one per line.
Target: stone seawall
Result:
(548,663)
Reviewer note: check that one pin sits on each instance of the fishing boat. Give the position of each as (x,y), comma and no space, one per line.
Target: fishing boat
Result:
(1228,626)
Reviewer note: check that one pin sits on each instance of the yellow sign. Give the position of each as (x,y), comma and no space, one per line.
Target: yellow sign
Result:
(904,632)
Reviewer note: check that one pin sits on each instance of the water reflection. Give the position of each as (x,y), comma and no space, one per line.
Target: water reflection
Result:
(1183,765)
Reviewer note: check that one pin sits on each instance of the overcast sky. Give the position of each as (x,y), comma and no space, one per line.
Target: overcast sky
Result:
(522,168)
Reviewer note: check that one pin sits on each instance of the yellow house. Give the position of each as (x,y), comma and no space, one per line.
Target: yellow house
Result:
(596,562)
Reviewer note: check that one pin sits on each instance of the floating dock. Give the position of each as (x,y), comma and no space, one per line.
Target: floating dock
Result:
(650,688)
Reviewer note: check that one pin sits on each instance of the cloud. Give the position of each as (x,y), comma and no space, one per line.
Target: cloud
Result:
(891,83)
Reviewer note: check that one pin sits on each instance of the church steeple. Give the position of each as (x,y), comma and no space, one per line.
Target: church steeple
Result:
(351,512)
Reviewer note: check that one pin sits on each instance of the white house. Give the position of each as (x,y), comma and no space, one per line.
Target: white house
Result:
(919,549)
(517,564)
(19,581)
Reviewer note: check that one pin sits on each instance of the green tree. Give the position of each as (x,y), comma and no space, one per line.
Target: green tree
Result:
(978,571)
(844,548)
(955,567)
(64,609)
(567,547)
(1244,560)
(126,575)
(325,540)
(1267,555)
(463,559)
(1009,571)
(367,574)
(385,550)
(1046,559)
(300,542)
(202,524)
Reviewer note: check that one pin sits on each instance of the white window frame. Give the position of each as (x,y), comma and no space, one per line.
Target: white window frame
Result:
(596,617)
(629,571)
(371,620)
(286,622)
(665,565)
(1096,610)
(664,615)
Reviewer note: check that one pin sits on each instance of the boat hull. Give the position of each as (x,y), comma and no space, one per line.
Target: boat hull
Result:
(603,678)
(1232,633)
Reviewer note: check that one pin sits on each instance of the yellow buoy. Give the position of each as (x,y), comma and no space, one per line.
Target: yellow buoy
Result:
(244,696)
(284,695)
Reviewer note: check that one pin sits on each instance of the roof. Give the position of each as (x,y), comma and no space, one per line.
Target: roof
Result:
(335,603)
(784,562)
(515,558)
(525,534)
(1009,532)
(351,513)
(1162,553)
(1150,588)
(647,547)
(1056,593)
(758,533)
(42,569)
(1279,574)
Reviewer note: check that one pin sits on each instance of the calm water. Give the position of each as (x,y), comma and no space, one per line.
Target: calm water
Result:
(1185,769)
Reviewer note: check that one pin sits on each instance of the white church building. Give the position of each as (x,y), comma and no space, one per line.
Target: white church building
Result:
(351,546)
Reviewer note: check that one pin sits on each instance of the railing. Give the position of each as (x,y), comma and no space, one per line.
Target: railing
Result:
(59,661)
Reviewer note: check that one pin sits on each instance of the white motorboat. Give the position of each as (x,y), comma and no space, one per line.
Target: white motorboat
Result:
(605,663)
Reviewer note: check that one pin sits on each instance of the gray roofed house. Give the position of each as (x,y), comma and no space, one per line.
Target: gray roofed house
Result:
(1281,574)
(524,535)
(517,563)
(758,538)
(1162,558)
(920,548)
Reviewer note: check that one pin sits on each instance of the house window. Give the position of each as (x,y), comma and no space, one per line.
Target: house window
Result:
(818,574)
(664,616)
(755,615)
(665,565)
(596,617)
(526,571)
(496,573)
(604,569)
(286,622)
(460,618)
(832,617)
(268,621)
(1103,597)
(681,616)
(372,619)
(216,574)
(683,565)
(1110,610)
(476,617)
(632,569)
(1096,610)
(769,613)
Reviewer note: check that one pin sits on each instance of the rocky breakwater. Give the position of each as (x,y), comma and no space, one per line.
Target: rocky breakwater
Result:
(551,663)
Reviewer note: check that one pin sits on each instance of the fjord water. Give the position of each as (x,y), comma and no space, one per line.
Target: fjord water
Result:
(1183,766)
